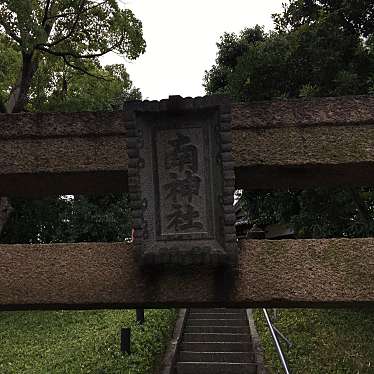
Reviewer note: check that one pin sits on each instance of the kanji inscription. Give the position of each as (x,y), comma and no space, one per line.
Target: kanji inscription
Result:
(181,181)
(182,188)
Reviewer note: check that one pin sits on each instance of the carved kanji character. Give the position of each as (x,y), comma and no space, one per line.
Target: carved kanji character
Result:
(183,218)
(183,187)
(183,154)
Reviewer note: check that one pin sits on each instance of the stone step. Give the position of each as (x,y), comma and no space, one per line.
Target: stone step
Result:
(215,368)
(216,322)
(217,310)
(216,316)
(214,337)
(218,329)
(216,346)
(238,357)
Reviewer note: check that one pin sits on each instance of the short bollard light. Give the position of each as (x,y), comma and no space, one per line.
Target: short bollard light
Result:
(140,316)
(126,340)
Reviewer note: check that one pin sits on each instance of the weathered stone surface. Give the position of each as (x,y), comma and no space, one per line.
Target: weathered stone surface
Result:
(290,146)
(291,143)
(181,184)
(45,125)
(326,111)
(304,143)
(333,272)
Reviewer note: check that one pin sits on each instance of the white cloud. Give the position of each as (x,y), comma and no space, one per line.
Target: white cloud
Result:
(181,40)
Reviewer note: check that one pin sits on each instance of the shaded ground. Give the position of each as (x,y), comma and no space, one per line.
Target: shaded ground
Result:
(81,342)
(324,341)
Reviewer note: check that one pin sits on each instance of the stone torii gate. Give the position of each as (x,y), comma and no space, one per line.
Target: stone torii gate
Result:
(278,144)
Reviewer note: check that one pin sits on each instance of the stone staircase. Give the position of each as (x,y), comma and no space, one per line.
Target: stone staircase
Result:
(216,341)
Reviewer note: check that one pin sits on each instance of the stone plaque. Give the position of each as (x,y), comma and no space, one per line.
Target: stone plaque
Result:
(181,181)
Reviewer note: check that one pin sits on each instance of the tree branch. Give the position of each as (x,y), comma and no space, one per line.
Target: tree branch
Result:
(84,71)
(9,32)
(62,15)
(77,55)
(46,10)
(68,35)
(71,32)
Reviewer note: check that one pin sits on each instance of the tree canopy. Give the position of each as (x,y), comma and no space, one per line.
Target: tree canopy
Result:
(73,31)
(312,60)
(353,17)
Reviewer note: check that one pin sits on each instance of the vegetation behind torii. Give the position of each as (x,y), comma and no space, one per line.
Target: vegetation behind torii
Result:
(318,48)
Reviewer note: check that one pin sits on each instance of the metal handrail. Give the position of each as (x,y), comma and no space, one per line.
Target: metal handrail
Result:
(285,339)
(276,342)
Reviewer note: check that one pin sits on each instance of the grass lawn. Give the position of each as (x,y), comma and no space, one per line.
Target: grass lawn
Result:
(81,341)
(324,341)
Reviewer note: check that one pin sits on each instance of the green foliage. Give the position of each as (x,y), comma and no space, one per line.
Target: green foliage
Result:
(38,221)
(59,88)
(100,218)
(324,341)
(72,28)
(315,213)
(354,17)
(82,342)
(65,33)
(230,48)
(66,219)
(285,65)
(9,66)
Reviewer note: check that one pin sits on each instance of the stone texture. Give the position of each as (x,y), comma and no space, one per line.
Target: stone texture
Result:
(220,351)
(216,346)
(291,143)
(331,272)
(216,356)
(216,368)
(326,111)
(45,125)
(181,184)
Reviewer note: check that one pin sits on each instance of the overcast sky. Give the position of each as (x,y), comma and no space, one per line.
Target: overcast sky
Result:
(181,38)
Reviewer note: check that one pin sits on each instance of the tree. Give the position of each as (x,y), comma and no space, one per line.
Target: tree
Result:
(319,48)
(316,60)
(9,68)
(75,31)
(65,219)
(67,34)
(353,17)
(57,87)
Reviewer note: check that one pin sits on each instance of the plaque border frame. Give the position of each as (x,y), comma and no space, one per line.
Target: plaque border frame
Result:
(209,204)
(135,163)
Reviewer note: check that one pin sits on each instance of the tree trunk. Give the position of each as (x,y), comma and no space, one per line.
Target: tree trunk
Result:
(19,95)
